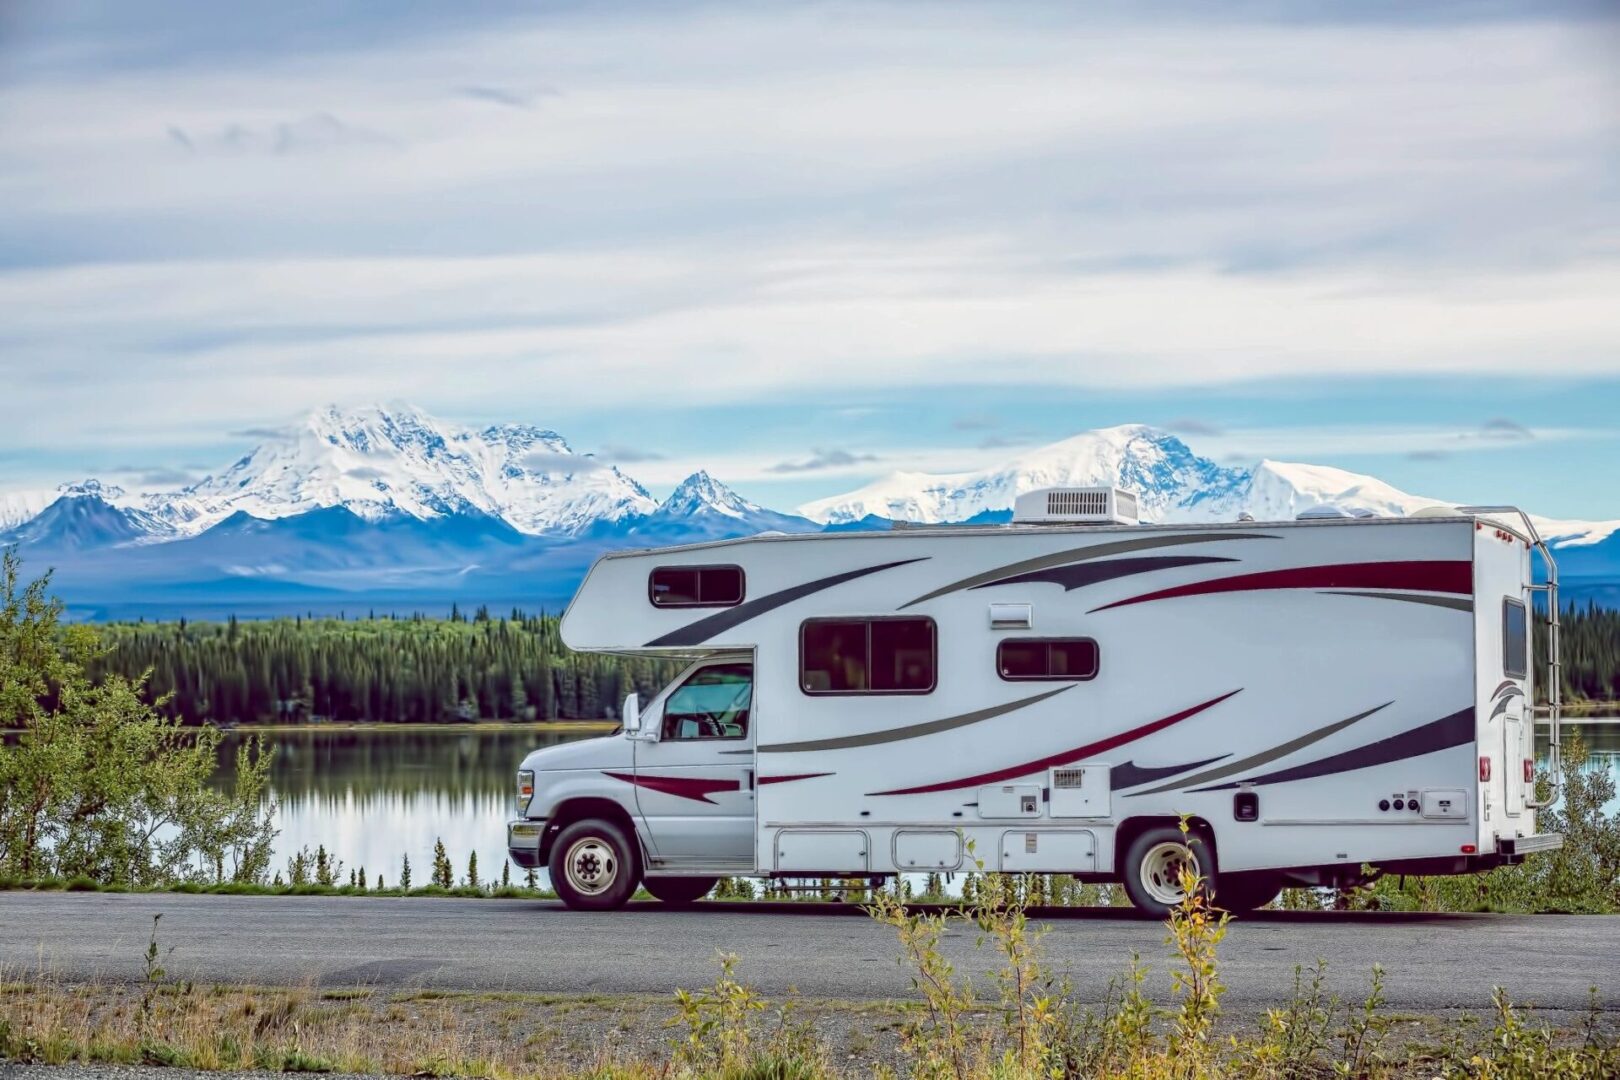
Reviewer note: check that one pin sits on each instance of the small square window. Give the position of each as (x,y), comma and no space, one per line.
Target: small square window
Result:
(1073,659)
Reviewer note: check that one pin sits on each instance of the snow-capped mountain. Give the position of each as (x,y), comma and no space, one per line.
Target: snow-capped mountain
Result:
(1171,481)
(391,507)
(19,507)
(84,521)
(377,461)
(703,508)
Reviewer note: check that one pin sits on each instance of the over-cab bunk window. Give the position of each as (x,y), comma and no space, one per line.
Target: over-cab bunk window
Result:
(867,656)
(1515,640)
(1047,658)
(695,586)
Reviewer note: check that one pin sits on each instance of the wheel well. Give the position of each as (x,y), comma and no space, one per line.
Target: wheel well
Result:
(579,810)
(1129,829)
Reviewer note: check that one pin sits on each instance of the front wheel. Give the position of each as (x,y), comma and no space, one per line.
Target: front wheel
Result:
(677,891)
(594,866)
(1153,868)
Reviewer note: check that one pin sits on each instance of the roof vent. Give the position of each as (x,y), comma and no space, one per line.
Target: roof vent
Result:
(1076,506)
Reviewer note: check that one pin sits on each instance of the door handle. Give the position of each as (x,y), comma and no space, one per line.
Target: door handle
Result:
(750,779)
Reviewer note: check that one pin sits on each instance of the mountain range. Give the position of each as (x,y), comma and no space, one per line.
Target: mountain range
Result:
(388,508)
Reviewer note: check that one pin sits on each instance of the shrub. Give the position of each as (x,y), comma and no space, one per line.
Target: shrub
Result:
(99,784)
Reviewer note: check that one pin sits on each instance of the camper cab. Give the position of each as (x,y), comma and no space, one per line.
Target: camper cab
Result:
(1055,695)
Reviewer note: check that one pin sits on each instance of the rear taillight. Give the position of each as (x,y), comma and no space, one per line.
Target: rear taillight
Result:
(1529,770)
(1484,770)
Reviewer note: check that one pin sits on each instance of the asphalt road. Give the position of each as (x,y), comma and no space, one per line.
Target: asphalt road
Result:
(1432,962)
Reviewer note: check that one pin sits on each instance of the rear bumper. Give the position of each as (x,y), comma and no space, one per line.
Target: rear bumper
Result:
(1525,845)
(523,839)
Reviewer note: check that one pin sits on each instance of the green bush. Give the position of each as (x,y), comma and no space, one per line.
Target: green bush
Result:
(100,785)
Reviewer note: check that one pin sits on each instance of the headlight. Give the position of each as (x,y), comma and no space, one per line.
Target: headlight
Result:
(525,791)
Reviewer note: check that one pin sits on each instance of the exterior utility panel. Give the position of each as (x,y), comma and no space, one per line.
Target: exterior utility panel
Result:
(1315,695)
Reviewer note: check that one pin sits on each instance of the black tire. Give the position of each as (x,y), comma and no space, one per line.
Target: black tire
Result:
(679,891)
(606,865)
(1147,871)
(1243,893)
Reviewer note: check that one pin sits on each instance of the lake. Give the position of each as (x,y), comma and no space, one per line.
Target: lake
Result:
(376,795)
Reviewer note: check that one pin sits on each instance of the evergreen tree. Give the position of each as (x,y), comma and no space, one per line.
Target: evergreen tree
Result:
(405,874)
(472,870)
(443,876)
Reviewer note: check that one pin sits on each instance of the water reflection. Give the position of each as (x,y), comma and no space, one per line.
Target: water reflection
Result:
(1602,738)
(375,796)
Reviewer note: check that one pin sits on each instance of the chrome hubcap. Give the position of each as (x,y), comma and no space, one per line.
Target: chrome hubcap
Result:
(1162,868)
(592,867)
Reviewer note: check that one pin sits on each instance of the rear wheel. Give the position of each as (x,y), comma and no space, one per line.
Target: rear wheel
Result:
(594,865)
(679,890)
(1243,893)
(1153,866)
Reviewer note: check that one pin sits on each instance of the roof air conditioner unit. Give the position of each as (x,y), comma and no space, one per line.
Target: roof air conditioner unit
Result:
(1076,506)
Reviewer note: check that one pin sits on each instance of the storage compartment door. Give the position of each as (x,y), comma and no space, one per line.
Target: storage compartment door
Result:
(927,849)
(834,851)
(1010,801)
(1080,791)
(1055,851)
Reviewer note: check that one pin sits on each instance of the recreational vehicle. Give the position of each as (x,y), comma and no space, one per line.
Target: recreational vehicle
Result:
(1320,700)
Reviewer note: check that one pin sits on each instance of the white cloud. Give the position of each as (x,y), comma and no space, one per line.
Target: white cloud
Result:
(789,201)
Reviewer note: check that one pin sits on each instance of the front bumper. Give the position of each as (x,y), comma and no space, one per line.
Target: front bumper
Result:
(523,842)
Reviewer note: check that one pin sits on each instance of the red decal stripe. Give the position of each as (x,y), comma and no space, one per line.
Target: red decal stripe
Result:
(695,788)
(794,776)
(1438,576)
(1064,758)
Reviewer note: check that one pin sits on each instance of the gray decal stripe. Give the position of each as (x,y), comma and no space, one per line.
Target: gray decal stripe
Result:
(1074,576)
(1130,774)
(1504,687)
(913,731)
(696,633)
(1457,603)
(1442,734)
(1265,757)
(1505,701)
(1095,551)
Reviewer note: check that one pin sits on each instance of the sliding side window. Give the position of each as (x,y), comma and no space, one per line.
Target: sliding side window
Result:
(695,586)
(867,656)
(1071,659)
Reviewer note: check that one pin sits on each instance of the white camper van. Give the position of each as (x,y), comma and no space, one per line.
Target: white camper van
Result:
(1316,696)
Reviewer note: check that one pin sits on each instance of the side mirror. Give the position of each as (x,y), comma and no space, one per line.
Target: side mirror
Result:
(631,716)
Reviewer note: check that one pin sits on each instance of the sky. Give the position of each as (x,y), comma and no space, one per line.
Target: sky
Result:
(807,244)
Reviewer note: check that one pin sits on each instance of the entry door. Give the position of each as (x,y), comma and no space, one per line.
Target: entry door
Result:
(695,784)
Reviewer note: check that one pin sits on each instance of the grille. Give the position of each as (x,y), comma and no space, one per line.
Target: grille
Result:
(1077,502)
(1067,778)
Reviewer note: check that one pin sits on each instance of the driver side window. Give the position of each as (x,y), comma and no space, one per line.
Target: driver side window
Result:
(712,704)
